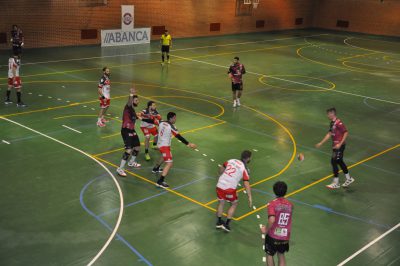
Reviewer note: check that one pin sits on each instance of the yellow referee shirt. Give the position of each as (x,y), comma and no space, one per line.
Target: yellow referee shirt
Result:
(166,39)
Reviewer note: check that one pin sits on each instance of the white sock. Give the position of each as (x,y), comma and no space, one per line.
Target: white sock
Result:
(132,160)
(347,176)
(336,180)
(99,119)
(238,100)
(234,101)
(122,165)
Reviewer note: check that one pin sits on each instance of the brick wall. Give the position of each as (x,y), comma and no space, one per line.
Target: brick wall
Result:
(367,16)
(59,22)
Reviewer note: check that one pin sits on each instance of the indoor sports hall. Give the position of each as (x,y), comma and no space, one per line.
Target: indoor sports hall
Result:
(63,201)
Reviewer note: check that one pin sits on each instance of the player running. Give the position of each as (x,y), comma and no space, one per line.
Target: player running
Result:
(129,135)
(149,129)
(236,72)
(277,231)
(230,175)
(104,90)
(338,133)
(14,80)
(166,130)
(166,44)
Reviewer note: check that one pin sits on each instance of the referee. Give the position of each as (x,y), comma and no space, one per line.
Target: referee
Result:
(166,43)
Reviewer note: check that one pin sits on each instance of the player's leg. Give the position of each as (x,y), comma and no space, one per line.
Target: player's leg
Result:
(146,147)
(18,87)
(135,151)
(281,259)
(231,212)
(125,157)
(161,181)
(101,113)
(167,52)
(8,92)
(157,168)
(220,212)
(234,97)
(270,249)
(343,166)
(238,95)
(155,140)
(270,260)
(103,119)
(162,54)
(335,168)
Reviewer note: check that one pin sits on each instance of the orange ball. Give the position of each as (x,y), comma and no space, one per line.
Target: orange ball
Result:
(300,157)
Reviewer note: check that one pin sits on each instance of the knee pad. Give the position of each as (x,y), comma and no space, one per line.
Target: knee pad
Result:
(135,152)
(125,156)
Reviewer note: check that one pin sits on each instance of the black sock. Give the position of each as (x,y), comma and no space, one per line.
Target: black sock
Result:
(8,95)
(162,58)
(220,220)
(154,144)
(19,96)
(228,221)
(168,56)
(156,168)
(146,150)
(162,178)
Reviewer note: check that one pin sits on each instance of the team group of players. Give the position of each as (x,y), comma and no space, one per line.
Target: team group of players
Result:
(232,172)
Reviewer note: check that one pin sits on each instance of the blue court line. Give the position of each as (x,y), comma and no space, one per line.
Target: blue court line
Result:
(327,209)
(106,225)
(153,196)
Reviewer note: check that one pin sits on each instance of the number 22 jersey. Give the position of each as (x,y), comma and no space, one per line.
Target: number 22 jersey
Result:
(235,170)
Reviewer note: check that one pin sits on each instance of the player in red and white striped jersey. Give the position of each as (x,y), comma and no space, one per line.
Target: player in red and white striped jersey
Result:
(149,129)
(232,172)
(167,130)
(104,89)
(14,80)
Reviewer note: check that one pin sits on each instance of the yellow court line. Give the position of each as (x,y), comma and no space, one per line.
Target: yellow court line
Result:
(321,180)
(387,69)
(332,87)
(154,183)
(355,56)
(151,62)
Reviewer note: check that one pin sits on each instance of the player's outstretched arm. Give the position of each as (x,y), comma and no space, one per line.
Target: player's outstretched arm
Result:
(132,92)
(327,136)
(248,190)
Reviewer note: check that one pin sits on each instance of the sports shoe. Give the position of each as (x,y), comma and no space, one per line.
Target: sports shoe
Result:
(348,182)
(157,170)
(234,104)
(220,225)
(21,104)
(8,101)
(147,156)
(226,227)
(169,61)
(333,186)
(162,184)
(162,63)
(100,124)
(121,172)
(238,102)
(134,164)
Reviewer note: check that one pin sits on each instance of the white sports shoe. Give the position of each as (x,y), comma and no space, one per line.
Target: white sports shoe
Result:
(234,104)
(238,102)
(333,186)
(134,164)
(121,172)
(348,182)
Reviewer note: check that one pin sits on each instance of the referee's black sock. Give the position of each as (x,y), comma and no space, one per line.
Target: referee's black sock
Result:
(162,57)
(8,95)
(19,96)
(167,56)
(228,221)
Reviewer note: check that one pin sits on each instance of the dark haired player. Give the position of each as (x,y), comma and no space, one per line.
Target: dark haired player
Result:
(104,89)
(149,129)
(235,72)
(128,133)
(231,173)
(14,80)
(277,231)
(167,130)
(17,40)
(338,133)
(166,44)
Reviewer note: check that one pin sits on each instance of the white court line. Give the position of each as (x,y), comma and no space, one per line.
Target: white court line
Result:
(6,142)
(368,245)
(70,128)
(121,196)
(173,50)
(292,81)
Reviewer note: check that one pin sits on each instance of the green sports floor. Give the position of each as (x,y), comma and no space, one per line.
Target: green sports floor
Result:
(59,205)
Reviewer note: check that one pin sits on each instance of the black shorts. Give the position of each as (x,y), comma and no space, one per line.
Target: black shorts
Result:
(273,245)
(130,137)
(165,48)
(237,86)
(17,49)
(337,154)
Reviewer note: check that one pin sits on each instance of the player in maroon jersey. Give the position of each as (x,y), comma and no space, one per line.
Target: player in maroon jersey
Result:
(338,133)
(235,72)
(128,133)
(17,40)
(278,230)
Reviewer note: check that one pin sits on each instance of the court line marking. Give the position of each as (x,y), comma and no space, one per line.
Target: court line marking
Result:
(73,129)
(368,245)
(120,214)
(332,85)
(386,69)
(105,224)
(356,56)
(172,50)
(323,179)
(6,142)
(345,41)
(296,82)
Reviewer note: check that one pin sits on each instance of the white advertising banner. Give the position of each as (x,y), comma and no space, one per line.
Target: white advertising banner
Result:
(122,37)
(127,17)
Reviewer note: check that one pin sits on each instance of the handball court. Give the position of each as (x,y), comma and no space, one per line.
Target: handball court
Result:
(60,204)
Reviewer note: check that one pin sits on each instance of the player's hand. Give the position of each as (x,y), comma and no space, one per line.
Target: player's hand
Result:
(337,146)
(22,44)
(139,116)
(264,229)
(318,145)
(192,145)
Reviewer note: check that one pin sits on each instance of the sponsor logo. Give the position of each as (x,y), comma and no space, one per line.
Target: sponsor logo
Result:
(127,18)
(126,37)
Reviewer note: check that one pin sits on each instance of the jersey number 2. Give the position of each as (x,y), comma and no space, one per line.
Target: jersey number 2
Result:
(230,170)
